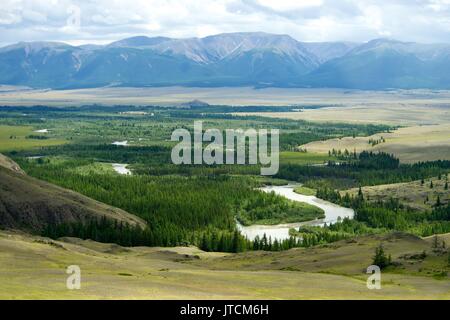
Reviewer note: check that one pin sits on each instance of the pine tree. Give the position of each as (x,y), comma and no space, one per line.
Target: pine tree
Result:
(204,243)
(360,194)
(438,201)
(380,259)
(236,244)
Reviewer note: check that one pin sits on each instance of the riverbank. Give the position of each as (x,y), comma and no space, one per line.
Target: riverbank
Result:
(333,213)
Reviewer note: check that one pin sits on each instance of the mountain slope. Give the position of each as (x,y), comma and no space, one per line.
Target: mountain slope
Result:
(384,63)
(325,51)
(30,204)
(231,59)
(226,59)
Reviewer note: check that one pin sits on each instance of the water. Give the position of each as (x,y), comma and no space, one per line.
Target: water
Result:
(120,143)
(41,131)
(281,232)
(121,168)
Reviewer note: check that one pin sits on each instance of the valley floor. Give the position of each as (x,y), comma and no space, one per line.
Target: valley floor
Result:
(35,268)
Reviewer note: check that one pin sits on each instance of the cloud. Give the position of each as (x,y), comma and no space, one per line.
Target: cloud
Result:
(305,20)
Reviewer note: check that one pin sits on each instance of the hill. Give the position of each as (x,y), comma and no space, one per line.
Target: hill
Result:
(30,204)
(109,271)
(7,163)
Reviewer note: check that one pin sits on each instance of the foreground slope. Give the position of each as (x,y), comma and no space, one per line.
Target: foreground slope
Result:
(34,267)
(30,204)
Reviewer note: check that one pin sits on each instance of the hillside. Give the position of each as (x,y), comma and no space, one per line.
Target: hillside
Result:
(30,204)
(7,163)
(109,271)
(409,144)
(413,194)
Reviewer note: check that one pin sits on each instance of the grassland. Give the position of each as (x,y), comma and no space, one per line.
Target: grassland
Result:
(305,191)
(35,268)
(407,113)
(304,158)
(411,144)
(413,194)
(222,96)
(15,138)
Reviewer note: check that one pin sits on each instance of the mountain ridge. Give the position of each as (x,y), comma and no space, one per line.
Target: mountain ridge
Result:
(229,59)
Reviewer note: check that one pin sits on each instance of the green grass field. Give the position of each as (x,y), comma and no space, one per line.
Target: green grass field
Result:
(13,138)
(305,191)
(304,158)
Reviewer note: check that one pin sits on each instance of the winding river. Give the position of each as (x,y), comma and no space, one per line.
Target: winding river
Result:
(332,213)
(121,168)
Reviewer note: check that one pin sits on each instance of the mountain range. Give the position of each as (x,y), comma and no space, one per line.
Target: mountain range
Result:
(233,59)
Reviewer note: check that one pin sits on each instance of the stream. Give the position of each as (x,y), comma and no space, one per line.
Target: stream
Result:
(281,231)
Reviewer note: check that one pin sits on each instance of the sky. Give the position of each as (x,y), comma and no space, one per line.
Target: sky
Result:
(104,21)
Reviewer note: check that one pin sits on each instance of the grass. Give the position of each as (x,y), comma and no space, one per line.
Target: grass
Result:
(304,158)
(13,138)
(375,105)
(175,273)
(305,191)
(408,112)
(412,194)
(349,257)
(411,144)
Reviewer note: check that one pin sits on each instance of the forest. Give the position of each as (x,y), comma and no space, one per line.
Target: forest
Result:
(198,204)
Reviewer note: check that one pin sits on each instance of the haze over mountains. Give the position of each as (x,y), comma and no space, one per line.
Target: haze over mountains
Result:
(236,59)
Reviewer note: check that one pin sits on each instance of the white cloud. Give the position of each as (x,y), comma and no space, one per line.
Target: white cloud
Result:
(289,5)
(307,20)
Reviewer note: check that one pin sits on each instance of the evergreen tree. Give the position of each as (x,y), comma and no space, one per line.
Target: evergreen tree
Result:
(381,259)
(438,201)
(360,193)
(236,244)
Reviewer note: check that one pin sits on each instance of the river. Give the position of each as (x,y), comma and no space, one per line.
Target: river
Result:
(281,231)
(121,168)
